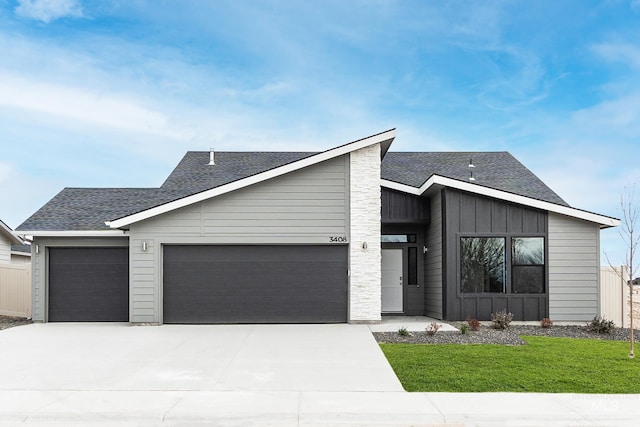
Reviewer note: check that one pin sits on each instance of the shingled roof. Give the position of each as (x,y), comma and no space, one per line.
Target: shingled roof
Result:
(193,174)
(85,209)
(497,170)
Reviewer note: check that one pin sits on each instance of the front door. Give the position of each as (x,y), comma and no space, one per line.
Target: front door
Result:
(392,288)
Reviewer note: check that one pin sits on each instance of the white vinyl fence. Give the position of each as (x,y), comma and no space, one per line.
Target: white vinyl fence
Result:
(614,295)
(15,290)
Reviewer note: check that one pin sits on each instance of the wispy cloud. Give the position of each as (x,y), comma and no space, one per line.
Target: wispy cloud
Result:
(620,52)
(49,10)
(72,103)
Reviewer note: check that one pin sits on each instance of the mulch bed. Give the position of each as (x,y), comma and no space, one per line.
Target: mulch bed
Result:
(7,322)
(510,336)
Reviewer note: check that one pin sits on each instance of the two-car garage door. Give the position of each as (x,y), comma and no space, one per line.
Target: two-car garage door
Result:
(255,284)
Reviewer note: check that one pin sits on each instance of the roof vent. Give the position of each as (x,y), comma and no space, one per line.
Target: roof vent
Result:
(471,178)
(212,160)
(471,165)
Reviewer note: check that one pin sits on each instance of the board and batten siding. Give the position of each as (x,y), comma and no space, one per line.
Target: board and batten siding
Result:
(308,206)
(39,263)
(433,262)
(574,269)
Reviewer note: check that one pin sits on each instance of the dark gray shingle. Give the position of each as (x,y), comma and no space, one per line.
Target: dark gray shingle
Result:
(193,174)
(89,208)
(497,170)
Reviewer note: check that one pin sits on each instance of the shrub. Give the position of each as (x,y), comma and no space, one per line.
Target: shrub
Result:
(433,328)
(501,319)
(464,329)
(403,332)
(473,323)
(546,322)
(601,325)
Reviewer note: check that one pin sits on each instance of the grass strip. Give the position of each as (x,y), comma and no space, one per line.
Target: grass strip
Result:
(544,365)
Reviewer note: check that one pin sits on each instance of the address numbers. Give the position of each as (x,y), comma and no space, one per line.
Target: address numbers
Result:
(337,239)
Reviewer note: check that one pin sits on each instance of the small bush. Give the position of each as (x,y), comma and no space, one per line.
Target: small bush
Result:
(433,328)
(464,329)
(474,324)
(403,332)
(546,323)
(601,325)
(501,319)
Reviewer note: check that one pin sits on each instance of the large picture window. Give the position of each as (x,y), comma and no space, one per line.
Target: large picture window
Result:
(527,265)
(501,265)
(482,262)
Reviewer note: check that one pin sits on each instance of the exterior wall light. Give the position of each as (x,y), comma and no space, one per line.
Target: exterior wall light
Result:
(144,245)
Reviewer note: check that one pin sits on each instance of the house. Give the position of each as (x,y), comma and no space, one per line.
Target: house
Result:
(12,249)
(344,235)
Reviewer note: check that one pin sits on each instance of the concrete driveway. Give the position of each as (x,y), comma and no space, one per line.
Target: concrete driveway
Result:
(253,375)
(95,356)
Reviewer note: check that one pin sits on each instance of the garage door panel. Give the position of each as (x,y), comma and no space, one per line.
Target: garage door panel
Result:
(88,284)
(255,284)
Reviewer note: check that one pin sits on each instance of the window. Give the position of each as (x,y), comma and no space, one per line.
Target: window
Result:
(527,265)
(502,265)
(482,262)
(413,265)
(398,238)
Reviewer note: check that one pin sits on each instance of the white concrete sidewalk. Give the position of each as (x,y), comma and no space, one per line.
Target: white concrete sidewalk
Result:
(250,408)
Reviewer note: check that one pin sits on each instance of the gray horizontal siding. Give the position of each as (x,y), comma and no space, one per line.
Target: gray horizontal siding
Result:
(310,202)
(304,207)
(574,260)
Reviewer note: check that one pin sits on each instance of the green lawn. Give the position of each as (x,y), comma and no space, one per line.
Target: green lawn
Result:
(545,365)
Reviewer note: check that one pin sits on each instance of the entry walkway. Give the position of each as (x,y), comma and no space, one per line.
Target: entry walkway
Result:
(411,323)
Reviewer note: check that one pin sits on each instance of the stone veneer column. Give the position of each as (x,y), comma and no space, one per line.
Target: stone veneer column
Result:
(365,302)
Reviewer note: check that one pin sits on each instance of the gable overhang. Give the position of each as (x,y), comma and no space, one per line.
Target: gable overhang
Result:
(436,181)
(10,234)
(384,139)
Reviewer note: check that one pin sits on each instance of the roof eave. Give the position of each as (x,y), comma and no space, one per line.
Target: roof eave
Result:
(384,139)
(10,234)
(74,233)
(437,180)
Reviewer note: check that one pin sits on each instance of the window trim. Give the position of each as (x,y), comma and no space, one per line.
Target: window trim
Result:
(508,264)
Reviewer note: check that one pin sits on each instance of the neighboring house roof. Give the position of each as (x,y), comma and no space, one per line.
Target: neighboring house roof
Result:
(9,235)
(498,170)
(24,250)
(497,174)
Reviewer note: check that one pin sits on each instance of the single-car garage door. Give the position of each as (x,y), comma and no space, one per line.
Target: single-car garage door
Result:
(255,284)
(88,284)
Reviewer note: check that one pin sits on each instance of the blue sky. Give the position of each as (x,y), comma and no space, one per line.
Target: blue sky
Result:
(112,93)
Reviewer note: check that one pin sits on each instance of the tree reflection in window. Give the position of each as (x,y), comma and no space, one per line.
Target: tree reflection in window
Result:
(482,264)
(527,259)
